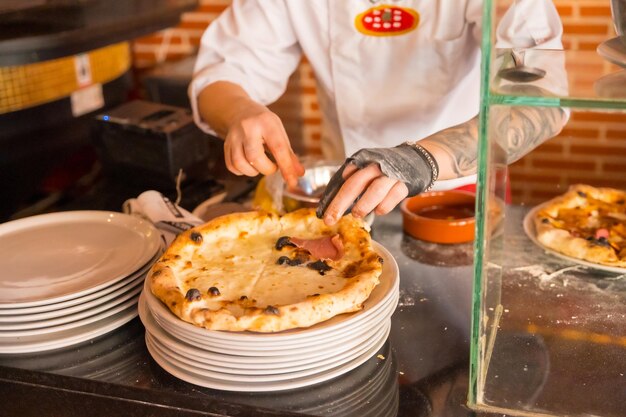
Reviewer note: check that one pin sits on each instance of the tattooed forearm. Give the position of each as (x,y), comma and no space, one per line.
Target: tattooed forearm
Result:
(517,130)
(521,129)
(455,149)
(458,143)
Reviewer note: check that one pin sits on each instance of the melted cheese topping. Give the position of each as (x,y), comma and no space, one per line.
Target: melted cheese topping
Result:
(248,266)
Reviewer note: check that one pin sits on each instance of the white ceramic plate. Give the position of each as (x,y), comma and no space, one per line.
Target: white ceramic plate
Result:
(51,310)
(40,343)
(198,378)
(190,366)
(355,396)
(231,361)
(48,325)
(202,362)
(334,346)
(311,353)
(71,312)
(17,335)
(613,50)
(389,282)
(60,256)
(302,344)
(529,229)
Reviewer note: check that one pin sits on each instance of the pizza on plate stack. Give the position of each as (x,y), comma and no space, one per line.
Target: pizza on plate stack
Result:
(261,302)
(262,272)
(585,223)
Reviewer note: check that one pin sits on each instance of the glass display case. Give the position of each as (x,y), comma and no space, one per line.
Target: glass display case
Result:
(549,330)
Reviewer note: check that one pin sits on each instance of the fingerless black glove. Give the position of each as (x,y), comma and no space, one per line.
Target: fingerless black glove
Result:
(409,163)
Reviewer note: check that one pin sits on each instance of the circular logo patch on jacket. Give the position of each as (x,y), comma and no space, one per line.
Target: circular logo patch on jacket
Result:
(387,20)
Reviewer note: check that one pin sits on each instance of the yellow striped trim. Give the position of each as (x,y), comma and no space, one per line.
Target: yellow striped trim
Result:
(31,85)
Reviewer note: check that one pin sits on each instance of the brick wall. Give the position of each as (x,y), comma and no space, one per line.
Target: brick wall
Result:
(591,149)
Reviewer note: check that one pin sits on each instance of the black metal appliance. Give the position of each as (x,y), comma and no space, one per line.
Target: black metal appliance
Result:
(149,143)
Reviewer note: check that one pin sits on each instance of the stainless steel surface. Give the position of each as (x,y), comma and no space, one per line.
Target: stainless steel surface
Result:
(521,73)
(312,183)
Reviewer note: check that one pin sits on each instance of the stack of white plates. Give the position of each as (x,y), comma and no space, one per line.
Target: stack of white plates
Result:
(247,361)
(69,277)
(371,390)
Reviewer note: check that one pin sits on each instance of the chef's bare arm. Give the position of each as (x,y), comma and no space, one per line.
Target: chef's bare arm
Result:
(518,131)
(222,104)
(248,128)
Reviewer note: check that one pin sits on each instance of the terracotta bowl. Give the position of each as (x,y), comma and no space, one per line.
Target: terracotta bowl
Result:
(440,216)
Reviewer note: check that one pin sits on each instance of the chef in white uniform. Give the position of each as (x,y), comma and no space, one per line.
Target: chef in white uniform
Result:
(387,72)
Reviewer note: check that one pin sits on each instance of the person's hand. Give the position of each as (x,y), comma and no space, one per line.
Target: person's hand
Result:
(377,193)
(255,129)
(377,180)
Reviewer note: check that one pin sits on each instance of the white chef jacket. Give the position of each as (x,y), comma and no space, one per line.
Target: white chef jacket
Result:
(374,91)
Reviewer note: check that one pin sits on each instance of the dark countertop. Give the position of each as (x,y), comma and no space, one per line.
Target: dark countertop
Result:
(559,345)
(57,29)
(424,371)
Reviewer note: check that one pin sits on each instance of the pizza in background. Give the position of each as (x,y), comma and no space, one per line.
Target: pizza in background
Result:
(262,272)
(586,223)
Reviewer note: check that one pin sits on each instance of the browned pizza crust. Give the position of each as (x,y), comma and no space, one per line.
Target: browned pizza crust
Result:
(225,275)
(569,224)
